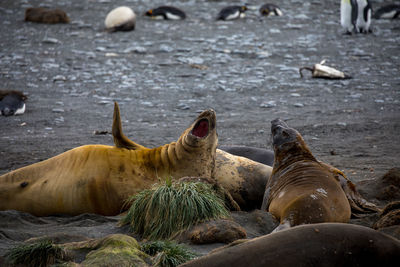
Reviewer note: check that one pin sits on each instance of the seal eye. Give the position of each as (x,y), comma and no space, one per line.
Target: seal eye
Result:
(285,134)
(201,128)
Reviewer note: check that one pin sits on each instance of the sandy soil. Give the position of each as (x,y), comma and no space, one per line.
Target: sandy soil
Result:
(248,73)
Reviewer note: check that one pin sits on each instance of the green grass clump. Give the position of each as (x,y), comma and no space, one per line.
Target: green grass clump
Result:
(164,210)
(167,254)
(40,254)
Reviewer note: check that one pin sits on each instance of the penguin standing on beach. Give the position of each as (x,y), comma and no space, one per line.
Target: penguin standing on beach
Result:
(364,16)
(355,15)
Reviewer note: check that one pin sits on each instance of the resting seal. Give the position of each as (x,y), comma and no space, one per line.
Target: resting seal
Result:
(301,190)
(100,178)
(325,244)
(261,155)
(243,179)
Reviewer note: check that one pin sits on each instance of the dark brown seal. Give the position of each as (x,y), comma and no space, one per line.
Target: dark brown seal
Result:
(325,244)
(45,15)
(301,190)
(257,154)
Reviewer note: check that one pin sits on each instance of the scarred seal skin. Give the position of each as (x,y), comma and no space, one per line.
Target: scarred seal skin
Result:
(301,190)
(99,178)
(324,244)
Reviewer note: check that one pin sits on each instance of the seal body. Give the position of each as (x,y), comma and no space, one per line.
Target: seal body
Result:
(391,11)
(325,244)
(301,190)
(243,179)
(45,15)
(121,18)
(99,179)
(166,12)
(270,10)
(260,155)
(231,13)
(12,103)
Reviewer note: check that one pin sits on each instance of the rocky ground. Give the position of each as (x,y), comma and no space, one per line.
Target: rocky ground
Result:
(165,72)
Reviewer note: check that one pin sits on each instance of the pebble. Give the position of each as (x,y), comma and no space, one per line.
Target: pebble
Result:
(269,104)
(49,40)
(183,106)
(58,78)
(135,49)
(57,110)
(298,105)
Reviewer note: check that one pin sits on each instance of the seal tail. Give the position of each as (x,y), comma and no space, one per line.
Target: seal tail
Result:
(120,140)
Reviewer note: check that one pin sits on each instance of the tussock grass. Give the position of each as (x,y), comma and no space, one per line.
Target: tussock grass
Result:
(40,254)
(164,210)
(167,254)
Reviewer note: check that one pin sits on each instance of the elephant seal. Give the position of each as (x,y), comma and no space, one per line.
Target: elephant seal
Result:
(260,155)
(243,180)
(301,190)
(99,178)
(324,244)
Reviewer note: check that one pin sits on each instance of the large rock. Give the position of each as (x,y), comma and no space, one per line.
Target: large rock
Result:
(112,250)
(216,231)
(385,189)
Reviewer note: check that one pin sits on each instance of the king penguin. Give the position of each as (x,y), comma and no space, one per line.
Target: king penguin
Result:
(166,12)
(364,16)
(231,12)
(355,15)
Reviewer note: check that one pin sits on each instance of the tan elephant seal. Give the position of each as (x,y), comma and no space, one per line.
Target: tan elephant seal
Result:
(301,190)
(99,178)
(324,244)
(242,180)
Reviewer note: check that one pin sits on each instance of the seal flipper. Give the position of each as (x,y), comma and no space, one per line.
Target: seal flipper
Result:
(120,140)
(358,204)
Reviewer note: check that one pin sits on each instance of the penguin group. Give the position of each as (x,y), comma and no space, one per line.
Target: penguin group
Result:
(124,18)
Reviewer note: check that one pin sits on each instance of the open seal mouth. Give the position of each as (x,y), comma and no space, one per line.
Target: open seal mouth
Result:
(201,128)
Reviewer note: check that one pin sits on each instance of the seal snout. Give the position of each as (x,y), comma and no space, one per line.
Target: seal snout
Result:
(278,122)
(281,132)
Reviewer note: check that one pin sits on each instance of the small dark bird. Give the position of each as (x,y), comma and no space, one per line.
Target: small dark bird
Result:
(12,102)
(231,13)
(45,15)
(270,10)
(166,12)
